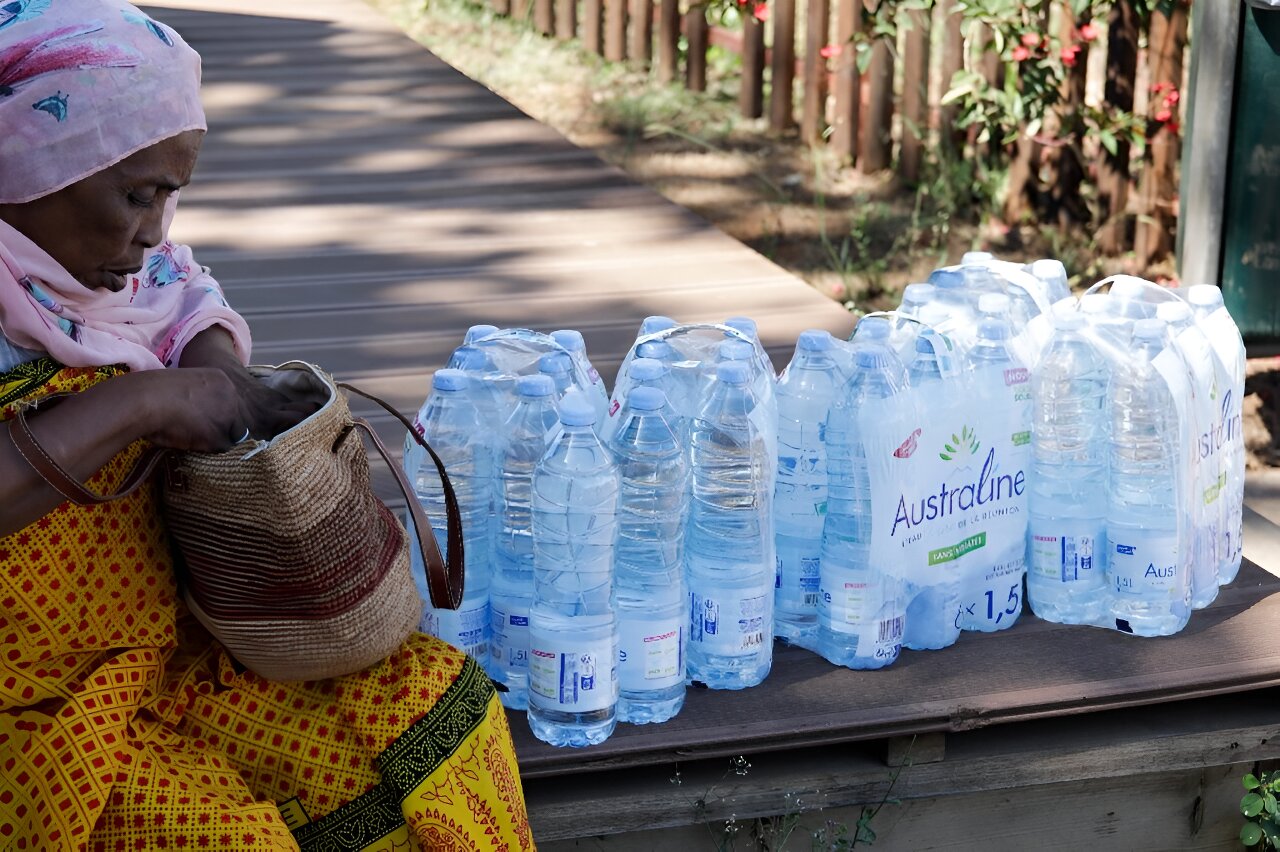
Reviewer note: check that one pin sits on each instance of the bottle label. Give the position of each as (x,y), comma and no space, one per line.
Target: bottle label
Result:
(730,623)
(1144,562)
(992,599)
(854,609)
(576,676)
(510,647)
(796,580)
(465,629)
(1066,550)
(650,653)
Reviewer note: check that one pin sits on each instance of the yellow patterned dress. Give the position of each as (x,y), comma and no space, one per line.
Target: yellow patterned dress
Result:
(125,726)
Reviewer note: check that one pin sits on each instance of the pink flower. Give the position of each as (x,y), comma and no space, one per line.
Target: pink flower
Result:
(1172,98)
(1163,115)
(1021,54)
(1030,39)
(761,12)
(1089,32)
(830,50)
(1160,87)
(1068,55)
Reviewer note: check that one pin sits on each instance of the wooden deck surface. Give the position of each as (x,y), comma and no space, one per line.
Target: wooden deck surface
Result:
(363,203)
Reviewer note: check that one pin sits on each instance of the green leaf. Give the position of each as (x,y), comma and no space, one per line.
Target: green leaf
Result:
(944,456)
(1250,833)
(1269,803)
(1108,140)
(1251,805)
(1250,782)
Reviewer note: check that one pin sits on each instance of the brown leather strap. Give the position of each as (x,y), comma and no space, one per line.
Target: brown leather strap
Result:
(63,482)
(445,578)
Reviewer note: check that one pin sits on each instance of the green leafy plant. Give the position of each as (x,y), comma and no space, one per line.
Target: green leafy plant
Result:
(1262,816)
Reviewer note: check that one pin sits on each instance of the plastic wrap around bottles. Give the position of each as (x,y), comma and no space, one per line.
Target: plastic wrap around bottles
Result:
(514,352)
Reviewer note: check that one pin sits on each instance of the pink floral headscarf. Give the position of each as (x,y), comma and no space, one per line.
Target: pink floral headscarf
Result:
(84,84)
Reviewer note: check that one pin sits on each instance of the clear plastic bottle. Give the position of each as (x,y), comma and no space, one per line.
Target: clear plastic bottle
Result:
(956,311)
(650,598)
(1066,536)
(450,423)
(527,434)
(992,591)
(860,606)
(933,609)
(1053,275)
(1228,346)
(1146,541)
(1205,461)
(577,348)
(729,549)
(915,297)
(573,632)
(805,393)
(559,366)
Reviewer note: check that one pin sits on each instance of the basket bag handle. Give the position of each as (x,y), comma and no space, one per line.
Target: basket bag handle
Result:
(444,576)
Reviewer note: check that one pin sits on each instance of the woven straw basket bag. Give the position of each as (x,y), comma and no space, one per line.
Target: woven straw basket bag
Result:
(286,555)
(283,550)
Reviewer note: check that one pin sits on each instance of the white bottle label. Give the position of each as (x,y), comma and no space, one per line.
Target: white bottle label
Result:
(650,653)
(465,629)
(730,623)
(796,581)
(577,677)
(1066,550)
(854,609)
(510,646)
(1143,563)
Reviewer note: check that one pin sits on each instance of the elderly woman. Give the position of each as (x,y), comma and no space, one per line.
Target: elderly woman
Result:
(123,725)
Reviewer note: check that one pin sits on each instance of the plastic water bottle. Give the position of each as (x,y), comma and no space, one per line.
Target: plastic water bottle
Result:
(573,639)
(559,366)
(915,297)
(479,332)
(860,607)
(654,324)
(746,325)
(952,297)
(1229,364)
(992,590)
(976,258)
(650,597)
(729,548)
(805,393)
(577,347)
(1053,275)
(1146,567)
(526,436)
(652,373)
(450,423)
(1066,536)
(1205,460)
(933,608)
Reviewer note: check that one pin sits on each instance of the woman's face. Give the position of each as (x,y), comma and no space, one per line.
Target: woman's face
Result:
(98,228)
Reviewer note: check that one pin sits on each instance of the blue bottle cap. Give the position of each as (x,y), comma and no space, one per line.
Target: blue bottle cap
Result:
(570,339)
(469,358)
(733,372)
(946,279)
(653,349)
(479,332)
(871,329)
(736,350)
(450,380)
(576,411)
(536,385)
(646,399)
(872,358)
(646,370)
(555,363)
(656,323)
(814,340)
(746,325)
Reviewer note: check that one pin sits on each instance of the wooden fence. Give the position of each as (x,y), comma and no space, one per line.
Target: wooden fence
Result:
(887,111)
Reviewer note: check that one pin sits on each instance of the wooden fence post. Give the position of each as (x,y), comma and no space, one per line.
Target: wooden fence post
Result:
(566,19)
(640,41)
(696,32)
(1167,40)
(520,10)
(915,95)
(668,39)
(615,30)
(501,7)
(848,95)
(877,123)
(592,26)
(1066,169)
(782,69)
(1113,171)
(544,16)
(814,108)
(751,94)
(951,140)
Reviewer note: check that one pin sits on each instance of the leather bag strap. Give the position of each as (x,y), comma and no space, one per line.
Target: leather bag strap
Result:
(66,484)
(445,577)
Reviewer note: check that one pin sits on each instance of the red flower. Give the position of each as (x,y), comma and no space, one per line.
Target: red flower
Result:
(1163,115)
(1089,32)
(830,50)
(761,12)
(1068,55)
(1160,87)
(1172,98)
(1030,39)
(1020,53)
(1173,127)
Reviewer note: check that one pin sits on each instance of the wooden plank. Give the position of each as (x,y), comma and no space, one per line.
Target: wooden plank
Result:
(566,25)
(877,125)
(952,61)
(668,40)
(915,95)
(848,100)
(782,66)
(544,16)
(816,34)
(751,89)
(593,26)
(615,30)
(697,33)
(640,35)
(1103,751)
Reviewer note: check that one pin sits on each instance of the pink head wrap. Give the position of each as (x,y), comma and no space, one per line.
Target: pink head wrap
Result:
(84,84)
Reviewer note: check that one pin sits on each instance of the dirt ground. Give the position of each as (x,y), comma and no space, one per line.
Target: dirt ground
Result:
(856,238)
